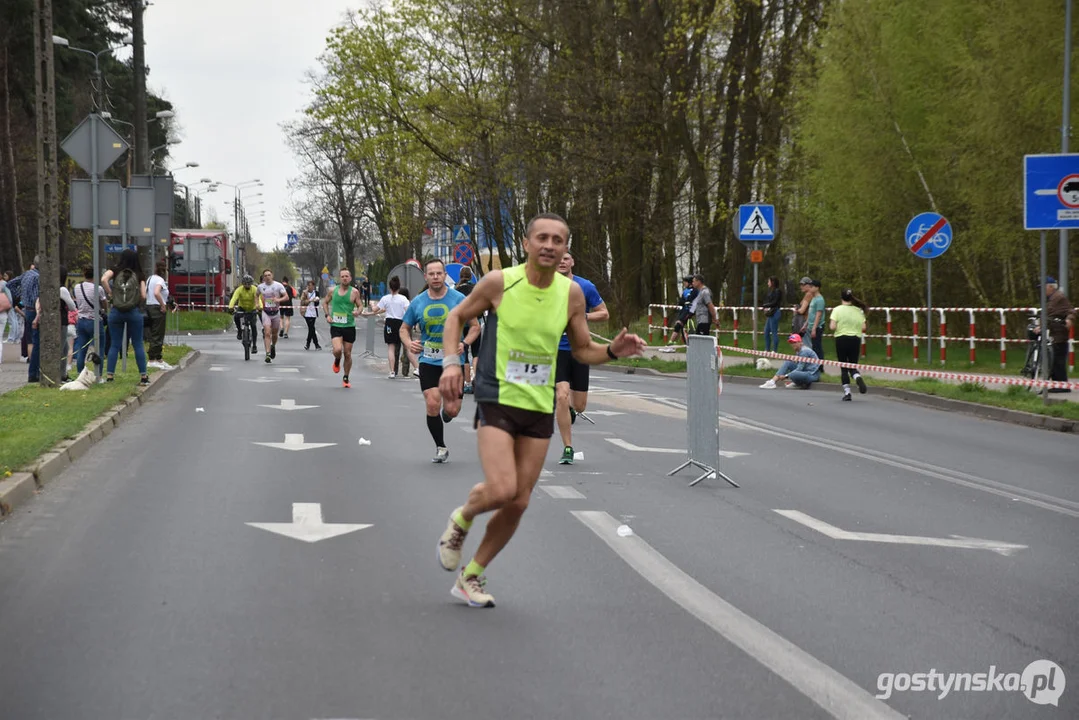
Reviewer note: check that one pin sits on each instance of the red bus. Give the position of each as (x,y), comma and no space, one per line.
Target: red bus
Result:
(201,267)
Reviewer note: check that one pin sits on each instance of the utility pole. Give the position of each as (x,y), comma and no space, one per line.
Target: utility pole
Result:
(138,62)
(1065,131)
(49,329)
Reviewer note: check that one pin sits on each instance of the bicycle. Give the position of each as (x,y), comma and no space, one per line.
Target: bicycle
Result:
(1034,368)
(248,332)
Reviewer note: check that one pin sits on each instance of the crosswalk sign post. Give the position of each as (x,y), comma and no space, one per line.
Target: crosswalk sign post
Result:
(756,224)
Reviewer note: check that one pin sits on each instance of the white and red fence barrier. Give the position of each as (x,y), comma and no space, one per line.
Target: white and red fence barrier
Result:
(969,315)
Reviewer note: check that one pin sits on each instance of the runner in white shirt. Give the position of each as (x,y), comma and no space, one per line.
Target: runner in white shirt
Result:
(309,301)
(273,295)
(394,306)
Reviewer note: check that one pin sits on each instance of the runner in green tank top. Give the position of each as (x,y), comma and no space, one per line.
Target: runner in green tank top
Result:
(529,307)
(340,306)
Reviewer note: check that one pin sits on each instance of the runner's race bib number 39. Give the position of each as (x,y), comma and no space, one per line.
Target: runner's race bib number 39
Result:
(432,351)
(527,369)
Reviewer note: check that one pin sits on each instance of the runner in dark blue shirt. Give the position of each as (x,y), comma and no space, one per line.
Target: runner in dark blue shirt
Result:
(572,376)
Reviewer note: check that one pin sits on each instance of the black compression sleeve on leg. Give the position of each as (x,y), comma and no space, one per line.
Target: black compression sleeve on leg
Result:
(435,426)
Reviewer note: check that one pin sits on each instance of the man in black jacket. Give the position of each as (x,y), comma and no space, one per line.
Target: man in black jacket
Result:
(772,312)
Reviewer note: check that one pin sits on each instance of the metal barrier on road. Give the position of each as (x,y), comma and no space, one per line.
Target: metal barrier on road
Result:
(369,340)
(702,409)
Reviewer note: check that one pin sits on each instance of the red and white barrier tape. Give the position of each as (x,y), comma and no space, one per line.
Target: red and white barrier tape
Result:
(940,375)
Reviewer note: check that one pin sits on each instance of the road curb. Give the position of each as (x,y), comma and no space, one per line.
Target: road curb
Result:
(15,491)
(986,412)
(21,486)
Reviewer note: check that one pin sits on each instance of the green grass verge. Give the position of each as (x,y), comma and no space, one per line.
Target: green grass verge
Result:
(199,320)
(33,419)
(1012,398)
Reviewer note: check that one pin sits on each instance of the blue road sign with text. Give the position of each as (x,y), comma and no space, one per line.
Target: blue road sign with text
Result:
(1051,192)
(117,247)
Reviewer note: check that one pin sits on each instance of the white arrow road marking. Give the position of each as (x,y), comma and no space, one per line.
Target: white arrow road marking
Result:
(307,524)
(219,368)
(955,541)
(287,404)
(294,441)
(604,413)
(637,448)
(545,475)
(287,370)
(836,694)
(562,492)
(261,380)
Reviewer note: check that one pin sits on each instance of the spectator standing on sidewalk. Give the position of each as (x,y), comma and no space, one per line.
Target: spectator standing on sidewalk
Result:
(772,311)
(157,301)
(66,305)
(14,314)
(26,287)
(1061,318)
(703,308)
(799,322)
(126,294)
(7,309)
(799,371)
(815,319)
(87,305)
(848,322)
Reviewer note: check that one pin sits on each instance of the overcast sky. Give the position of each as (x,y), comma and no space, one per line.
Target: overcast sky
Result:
(234,71)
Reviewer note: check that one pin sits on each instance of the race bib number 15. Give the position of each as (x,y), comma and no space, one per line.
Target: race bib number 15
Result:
(527,369)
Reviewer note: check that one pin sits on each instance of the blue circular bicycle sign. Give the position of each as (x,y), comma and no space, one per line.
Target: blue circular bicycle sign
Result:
(929,235)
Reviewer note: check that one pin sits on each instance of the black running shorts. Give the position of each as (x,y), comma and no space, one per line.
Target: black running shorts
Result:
(348,334)
(515,421)
(429,376)
(571,371)
(392,333)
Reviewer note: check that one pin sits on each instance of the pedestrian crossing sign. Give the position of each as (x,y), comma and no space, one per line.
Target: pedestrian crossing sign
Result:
(756,223)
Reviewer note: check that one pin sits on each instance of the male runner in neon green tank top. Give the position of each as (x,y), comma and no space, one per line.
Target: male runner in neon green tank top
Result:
(530,306)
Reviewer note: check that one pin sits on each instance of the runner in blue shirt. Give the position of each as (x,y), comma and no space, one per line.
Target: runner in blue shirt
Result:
(570,375)
(428,310)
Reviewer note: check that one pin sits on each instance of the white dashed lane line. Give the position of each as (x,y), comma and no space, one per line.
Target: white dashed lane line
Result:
(562,492)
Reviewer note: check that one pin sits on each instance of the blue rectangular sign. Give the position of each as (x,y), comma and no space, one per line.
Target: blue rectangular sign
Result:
(756,223)
(1051,192)
(117,247)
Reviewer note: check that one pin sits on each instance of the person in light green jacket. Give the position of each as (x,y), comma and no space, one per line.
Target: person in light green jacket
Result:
(848,323)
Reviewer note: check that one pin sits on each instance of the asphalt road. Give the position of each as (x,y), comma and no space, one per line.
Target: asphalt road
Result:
(134,587)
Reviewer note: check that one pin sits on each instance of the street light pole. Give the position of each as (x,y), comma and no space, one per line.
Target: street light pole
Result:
(95,169)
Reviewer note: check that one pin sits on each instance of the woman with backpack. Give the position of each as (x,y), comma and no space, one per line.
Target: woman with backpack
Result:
(126,289)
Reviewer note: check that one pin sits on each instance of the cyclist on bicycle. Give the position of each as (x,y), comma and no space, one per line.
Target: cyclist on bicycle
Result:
(247,298)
